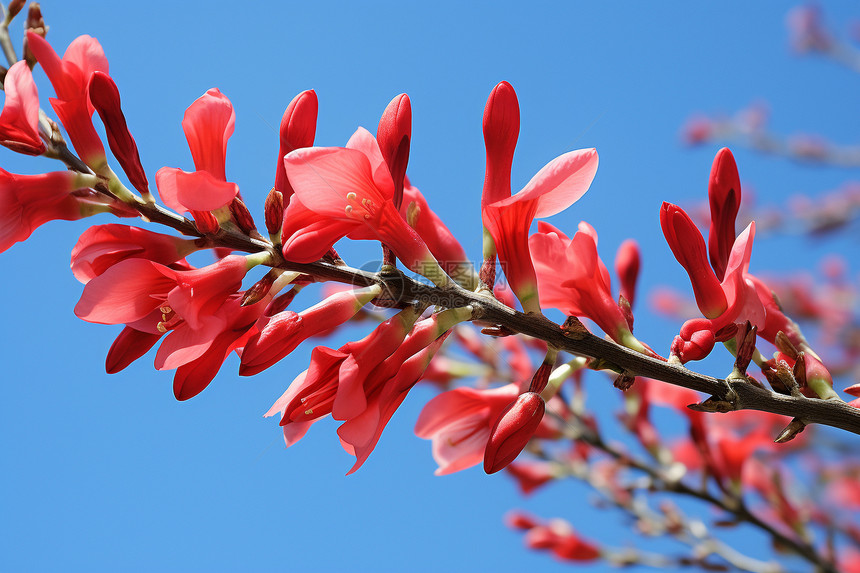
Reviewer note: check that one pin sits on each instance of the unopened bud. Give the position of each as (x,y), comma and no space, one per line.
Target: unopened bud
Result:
(206,222)
(13,9)
(104,96)
(35,21)
(242,216)
(394,134)
(693,346)
(627,263)
(785,375)
(274,210)
(513,430)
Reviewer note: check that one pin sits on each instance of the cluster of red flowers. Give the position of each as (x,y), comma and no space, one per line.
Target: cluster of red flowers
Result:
(199,316)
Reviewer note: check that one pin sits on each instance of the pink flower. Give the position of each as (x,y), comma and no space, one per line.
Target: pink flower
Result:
(459,422)
(70,77)
(344,191)
(102,246)
(208,125)
(19,121)
(29,201)
(279,334)
(132,289)
(554,188)
(335,380)
(584,289)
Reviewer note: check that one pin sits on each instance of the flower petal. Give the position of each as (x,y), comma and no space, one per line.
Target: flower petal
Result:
(195,191)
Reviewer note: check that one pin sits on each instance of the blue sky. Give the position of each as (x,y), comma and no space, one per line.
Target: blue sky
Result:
(111,473)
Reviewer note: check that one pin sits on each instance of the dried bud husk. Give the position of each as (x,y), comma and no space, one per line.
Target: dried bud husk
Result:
(259,289)
(624,382)
(746,347)
(784,344)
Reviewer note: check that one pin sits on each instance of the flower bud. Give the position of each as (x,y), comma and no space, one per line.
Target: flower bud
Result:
(242,216)
(513,430)
(206,222)
(627,263)
(274,210)
(104,96)
(13,8)
(298,129)
(501,129)
(693,344)
(724,195)
(394,134)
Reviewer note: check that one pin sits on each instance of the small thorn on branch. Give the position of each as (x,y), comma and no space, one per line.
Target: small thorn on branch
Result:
(791,431)
(573,328)
(713,404)
(498,331)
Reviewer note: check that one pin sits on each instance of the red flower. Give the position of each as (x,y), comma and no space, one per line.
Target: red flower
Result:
(19,122)
(132,289)
(208,125)
(688,246)
(364,382)
(348,190)
(560,538)
(278,335)
(459,423)
(102,246)
(584,289)
(627,263)
(554,188)
(70,77)
(29,201)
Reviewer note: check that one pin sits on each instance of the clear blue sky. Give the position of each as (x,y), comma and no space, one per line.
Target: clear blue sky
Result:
(106,473)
